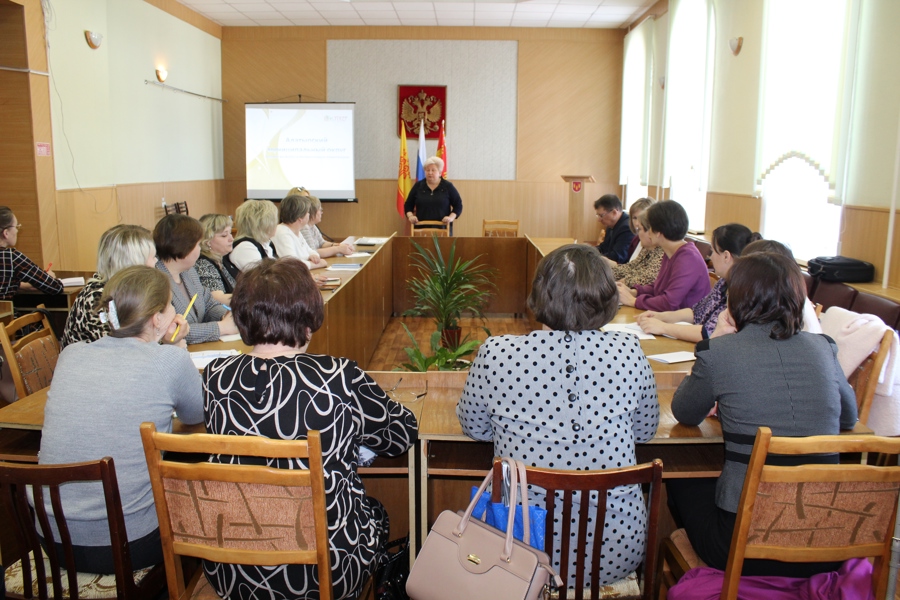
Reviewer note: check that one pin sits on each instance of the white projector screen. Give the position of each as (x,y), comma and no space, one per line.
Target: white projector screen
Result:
(300,144)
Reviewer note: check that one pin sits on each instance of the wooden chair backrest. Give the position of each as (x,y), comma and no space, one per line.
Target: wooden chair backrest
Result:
(46,480)
(32,358)
(430,228)
(713,278)
(864,378)
(204,508)
(815,512)
(499,228)
(572,486)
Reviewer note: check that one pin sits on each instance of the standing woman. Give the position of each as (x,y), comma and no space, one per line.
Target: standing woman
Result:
(314,237)
(281,392)
(683,278)
(177,239)
(15,267)
(728,242)
(572,397)
(643,267)
(120,246)
(100,394)
(433,198)
(767,374)
(256,222)
(216,244)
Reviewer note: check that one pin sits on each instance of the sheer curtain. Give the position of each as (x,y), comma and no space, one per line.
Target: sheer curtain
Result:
(637,81)
(807,47)
(689,105)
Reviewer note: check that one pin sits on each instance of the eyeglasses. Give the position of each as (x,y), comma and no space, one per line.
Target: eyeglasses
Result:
(16,227)
(393,394)
(601,217)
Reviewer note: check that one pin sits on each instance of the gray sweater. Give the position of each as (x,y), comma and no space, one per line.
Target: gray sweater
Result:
(101,393)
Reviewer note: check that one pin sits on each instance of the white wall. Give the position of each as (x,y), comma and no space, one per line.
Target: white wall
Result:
(481,79)
(119,129)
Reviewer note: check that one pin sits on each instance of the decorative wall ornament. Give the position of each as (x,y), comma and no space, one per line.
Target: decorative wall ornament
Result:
(422,103)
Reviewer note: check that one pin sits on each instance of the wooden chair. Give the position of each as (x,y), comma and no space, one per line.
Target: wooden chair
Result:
(203,508)
(810,512)
(39,574)
(864,379)
(179,208)
(713,278)
(499,228)
(430,228)
(32,358)
(571,486)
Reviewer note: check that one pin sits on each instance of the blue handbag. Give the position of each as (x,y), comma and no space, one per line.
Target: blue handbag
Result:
(496,514)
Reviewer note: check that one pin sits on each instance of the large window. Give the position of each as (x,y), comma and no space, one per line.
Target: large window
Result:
(637,77)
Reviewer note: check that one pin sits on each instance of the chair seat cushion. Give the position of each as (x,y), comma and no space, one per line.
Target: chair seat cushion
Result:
(90,585)
(683,544)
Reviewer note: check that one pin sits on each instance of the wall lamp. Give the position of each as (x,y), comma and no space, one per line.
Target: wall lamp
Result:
(736,44)
(161,75)
(93,39)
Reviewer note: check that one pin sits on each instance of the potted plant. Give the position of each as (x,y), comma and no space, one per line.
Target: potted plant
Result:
(447,288)
(441,358)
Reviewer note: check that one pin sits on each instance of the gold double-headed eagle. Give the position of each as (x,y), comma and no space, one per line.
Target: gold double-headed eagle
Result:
(421,108)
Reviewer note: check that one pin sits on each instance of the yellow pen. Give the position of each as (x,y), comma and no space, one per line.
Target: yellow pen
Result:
(190,304)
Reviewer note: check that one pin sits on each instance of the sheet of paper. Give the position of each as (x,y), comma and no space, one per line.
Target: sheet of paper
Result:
(632,328)
(358,255)
(673,357)
(344,267)
(72,281)
(202,359)
(234,337)
(371,241)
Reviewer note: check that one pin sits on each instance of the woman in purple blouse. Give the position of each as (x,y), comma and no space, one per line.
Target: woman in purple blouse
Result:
(683,278)
(728,242)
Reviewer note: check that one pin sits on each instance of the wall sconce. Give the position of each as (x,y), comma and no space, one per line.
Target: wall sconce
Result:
(93,39)
(161,75)
(735,44)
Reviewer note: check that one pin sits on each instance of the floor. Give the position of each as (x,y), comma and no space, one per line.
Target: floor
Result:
(390,354)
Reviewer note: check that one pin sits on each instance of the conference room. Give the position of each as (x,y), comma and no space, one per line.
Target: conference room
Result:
(530,112)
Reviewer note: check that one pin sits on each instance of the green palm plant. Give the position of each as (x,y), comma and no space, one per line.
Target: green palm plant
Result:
(447,288)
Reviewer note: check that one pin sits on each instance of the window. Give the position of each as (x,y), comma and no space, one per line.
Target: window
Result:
(637,77)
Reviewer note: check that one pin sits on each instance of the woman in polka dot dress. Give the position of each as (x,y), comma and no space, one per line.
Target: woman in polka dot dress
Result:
(570,398)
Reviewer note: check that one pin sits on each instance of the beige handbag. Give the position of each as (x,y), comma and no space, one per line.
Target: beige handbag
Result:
(465,558)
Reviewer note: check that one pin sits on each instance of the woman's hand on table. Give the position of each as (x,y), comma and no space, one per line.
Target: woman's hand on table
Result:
(319,263)
(320,279)
(183,327)
(51,273)
(314,257)
(412,218)
(346,248)
(652,325)
(449,218)
(626,294)
(226,325)
(724,325)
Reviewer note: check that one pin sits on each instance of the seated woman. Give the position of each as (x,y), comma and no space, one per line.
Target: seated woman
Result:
(216,244)
(120,246)
(17,269)
(590,396)
(129,378)
(770,374)
(256,222)
(683,277)
(294,214)
(280,391)
(728,241)
(177,239)
(316,240)
(643,268)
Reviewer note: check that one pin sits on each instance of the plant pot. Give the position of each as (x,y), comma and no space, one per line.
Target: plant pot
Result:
(450,337)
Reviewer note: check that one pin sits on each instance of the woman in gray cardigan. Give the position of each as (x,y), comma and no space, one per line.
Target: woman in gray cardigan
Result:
(768,373)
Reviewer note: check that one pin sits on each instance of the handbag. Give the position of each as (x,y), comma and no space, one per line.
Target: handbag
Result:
(465,558)
(841,268)
(390,578)
(496,514)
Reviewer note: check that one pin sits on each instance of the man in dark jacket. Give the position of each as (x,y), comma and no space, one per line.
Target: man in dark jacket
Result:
(618,234)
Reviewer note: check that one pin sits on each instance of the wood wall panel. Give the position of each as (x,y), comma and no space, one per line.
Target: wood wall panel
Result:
(732,208)
(863,236)
(13,48)
(44,171)
(83,216)
(180,11)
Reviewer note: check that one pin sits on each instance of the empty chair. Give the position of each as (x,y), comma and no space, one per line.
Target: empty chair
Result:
(864,378)
(832,293)
(204,508)
(808,512)
(32,358)
(570,489)
(38,574)
(430,228)
(499,228)
(810,282)
(885,309)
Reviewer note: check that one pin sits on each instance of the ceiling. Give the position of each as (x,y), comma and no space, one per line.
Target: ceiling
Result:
(606,14)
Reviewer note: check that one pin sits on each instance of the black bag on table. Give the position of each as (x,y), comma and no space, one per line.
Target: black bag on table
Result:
(841,268)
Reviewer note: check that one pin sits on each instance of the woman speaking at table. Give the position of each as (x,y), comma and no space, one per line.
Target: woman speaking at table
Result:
(280,391)
(101,393)
(767,374)
(433,198)
(573,397)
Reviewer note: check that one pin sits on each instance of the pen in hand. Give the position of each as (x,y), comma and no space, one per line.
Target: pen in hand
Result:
(190,304)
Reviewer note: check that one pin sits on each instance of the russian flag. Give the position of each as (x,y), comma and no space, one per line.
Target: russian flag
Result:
(420,163)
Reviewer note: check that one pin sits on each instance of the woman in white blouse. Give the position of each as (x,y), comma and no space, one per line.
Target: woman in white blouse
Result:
(295,212)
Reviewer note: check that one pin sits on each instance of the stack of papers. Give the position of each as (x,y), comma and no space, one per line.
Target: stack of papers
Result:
(371,241)
(673,357)
(202,359)
(344,266)
(234,337)
(72,281)
(632,328)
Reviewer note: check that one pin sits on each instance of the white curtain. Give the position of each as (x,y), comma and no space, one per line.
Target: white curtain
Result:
(637,78)
(689,81)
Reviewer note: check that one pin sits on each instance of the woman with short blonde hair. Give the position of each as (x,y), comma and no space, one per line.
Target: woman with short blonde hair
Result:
(256,221)
(120,247)
(216,243)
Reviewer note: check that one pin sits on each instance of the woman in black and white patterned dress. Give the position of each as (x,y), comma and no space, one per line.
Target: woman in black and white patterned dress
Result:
(280,391)
(571,398)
